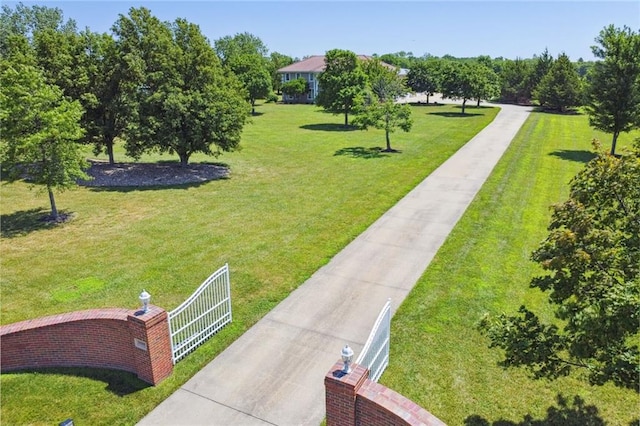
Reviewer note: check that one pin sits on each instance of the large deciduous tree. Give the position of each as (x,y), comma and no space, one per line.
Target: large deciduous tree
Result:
(614,92)
(186,102)
(561,87)
(342,83)
(459,81)
(379,108)
(40,129)
(484,83)
(424,77)
(592,256)
(246,56)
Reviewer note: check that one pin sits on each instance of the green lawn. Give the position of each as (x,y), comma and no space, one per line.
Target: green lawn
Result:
(438,358)
(299,190)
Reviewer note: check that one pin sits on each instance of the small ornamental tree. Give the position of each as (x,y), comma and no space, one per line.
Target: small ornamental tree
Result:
(592,259)
(379,108)
(40,130)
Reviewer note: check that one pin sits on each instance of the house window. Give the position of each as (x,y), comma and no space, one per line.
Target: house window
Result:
(310,95)
(310,76)
(286,77)
(290,97)
(297,75)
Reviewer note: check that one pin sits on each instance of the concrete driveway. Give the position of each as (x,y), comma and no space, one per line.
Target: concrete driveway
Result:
(273,374)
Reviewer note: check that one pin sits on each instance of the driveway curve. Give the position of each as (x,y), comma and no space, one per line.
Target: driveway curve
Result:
(274,373)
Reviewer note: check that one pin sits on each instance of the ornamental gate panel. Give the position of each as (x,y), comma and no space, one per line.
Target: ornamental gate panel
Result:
(375,354)
(203,314)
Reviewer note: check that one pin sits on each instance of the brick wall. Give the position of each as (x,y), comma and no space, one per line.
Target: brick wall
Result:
(354,400)
(119,339)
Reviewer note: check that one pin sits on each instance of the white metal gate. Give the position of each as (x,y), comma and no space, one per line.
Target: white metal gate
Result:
(375,354)
(203,314)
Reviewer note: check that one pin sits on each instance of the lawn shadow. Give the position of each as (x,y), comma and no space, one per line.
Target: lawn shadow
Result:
(565,414)
(120,383)
(424,104)
(159,187)
(26,221)
(362,152)
(454,114)
(578,155)
(329,127)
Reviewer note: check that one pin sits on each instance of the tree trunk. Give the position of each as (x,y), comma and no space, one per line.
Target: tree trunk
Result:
(110,151)
(388,141)
(478,105)
(346,119)
(613,142)
(464,101)
(253,107)
(52,200)
(427,98)
(184,159)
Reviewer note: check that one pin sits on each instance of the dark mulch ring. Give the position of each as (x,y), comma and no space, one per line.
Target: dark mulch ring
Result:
(151,174)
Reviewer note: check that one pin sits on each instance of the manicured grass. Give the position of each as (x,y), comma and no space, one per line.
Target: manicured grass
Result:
(438,357)
(299,191)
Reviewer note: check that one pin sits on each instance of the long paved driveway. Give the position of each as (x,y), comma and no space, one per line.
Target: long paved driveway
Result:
(273,374)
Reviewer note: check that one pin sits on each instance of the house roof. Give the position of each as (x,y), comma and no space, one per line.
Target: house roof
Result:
(316,63)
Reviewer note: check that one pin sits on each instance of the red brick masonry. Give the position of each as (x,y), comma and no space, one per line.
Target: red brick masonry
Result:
(354,400)
(119,339)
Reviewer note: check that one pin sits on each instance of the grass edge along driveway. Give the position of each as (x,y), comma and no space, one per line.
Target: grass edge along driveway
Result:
(438,358)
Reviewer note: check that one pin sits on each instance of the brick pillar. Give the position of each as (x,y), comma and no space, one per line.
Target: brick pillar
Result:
(152,344)
(340,393)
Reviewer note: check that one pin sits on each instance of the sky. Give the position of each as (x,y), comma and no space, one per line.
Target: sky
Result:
(297,28)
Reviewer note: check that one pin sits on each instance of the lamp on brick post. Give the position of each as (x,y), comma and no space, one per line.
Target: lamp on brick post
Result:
(145,298)
(347,357)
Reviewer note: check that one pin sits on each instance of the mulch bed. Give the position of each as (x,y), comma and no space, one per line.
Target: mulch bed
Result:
(151,174)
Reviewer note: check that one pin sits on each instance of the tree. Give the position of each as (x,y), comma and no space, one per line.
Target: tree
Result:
(514,81)
(342,83)
(592,255)
(424,77)
(541,67)
(561,87)
(295,87)
(39,131)
(379,108)
(277,61)
(108,109)
(485,82)
(614,92)
(459,81)
(245,55)
(186,102)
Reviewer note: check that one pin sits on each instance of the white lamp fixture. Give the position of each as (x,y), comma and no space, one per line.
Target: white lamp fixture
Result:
(145,298)
(347,357)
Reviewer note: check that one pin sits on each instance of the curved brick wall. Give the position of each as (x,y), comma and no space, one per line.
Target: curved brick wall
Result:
(353,399)
(102,338)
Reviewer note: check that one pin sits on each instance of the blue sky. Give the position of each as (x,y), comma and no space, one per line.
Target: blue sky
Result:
(460,28)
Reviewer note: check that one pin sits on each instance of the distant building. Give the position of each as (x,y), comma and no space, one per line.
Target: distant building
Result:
(309,69)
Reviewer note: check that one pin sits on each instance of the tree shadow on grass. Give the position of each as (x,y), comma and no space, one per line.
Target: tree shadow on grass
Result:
(454,114)
(424,104)
(329,127)
(578,155)
(26,221)
(362,152)
(120,383)
(565,414)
